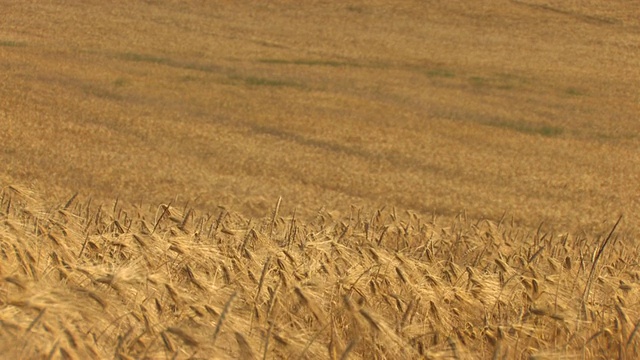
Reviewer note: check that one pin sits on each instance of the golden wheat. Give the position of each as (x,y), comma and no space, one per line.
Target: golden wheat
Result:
(465,290)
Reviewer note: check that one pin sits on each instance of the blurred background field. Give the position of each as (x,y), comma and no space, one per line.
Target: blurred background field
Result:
(523,107)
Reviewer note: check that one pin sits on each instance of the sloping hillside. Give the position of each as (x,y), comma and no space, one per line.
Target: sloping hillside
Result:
(528,107)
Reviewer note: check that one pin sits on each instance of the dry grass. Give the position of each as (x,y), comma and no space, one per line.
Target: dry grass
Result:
(80,281)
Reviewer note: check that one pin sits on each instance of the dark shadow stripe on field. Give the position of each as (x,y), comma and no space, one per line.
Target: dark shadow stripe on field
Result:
(591,19)
(161,60)
(305,141)
(310,62)
(512,124)
(11,43)
(395,160)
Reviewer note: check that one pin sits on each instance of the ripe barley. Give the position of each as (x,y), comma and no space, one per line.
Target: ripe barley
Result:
(71,338)
(447,293)
(186,338)
(265,267)
(168,344)
(245,349)
(370,320)
(223,315)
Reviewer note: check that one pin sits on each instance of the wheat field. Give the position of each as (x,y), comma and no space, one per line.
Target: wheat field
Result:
(82,281)
(319,180)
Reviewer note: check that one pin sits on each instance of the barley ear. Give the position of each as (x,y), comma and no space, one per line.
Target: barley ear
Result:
(223,315)
(274,216)
(587,288)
